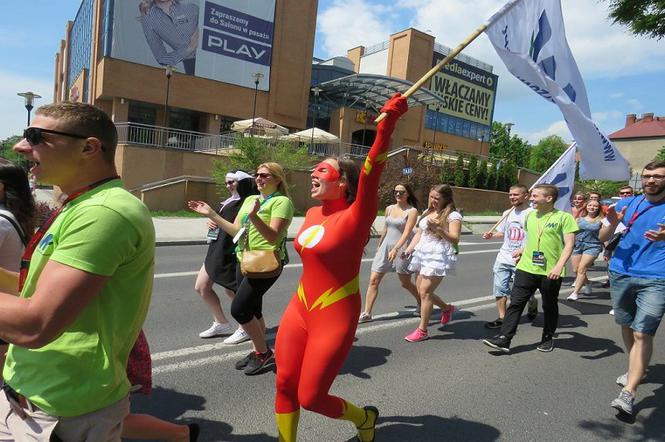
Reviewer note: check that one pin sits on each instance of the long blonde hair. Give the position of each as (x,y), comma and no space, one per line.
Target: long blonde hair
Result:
(447,201)
(277,171)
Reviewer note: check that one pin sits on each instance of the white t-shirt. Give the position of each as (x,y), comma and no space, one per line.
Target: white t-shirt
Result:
(11,247)
(514,235)
(619,229)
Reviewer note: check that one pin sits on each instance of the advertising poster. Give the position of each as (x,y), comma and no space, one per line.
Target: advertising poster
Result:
(224,40)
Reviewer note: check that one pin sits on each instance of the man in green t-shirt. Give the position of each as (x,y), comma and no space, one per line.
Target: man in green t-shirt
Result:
(542,264)
(84,287)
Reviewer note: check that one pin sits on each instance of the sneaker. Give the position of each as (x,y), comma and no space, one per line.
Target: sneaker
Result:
(194,431)
(572,284)
(241,364)
(364,317)
(497,323)
(260,362)
(612,312)
(587,290)
(366,430)
(500,343)
(447,315)
(238,336)
(623,379)
(216,329)
(573,296)
(532,311)
(417,335)
(624,403)
(546,346)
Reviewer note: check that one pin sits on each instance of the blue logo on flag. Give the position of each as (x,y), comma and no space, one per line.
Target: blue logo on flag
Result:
(561,177)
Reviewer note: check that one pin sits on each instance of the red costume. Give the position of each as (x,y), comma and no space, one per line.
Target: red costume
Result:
(317,329)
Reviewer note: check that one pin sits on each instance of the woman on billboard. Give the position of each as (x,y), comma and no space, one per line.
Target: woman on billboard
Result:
(174,25)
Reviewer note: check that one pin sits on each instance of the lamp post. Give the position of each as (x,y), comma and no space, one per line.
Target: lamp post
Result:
(29,100)
(257,78)
(316,91)
(508,126)
(169,72)
(436,127)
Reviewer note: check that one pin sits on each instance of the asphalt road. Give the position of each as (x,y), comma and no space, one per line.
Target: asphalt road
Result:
(447,388)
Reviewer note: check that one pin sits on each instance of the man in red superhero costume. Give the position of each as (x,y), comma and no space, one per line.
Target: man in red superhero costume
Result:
(317,329)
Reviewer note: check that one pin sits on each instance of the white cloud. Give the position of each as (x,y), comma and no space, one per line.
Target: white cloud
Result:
(557,128)
(602,117)
(634,105)
(13,115)
(617,95)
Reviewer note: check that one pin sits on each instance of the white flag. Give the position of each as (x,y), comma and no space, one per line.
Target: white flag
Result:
(530,38)
(562,175)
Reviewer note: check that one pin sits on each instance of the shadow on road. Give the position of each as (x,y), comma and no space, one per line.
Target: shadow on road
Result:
(580,343)
(363,357)
(171,405)
(432,428)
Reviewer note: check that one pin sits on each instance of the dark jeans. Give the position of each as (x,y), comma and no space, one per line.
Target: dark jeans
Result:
(248,301)
(524,287)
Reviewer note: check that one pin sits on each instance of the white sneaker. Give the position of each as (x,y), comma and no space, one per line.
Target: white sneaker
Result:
(216,329)
(586,290)
(612,312)
(573,297)
(573,284)
(237,337)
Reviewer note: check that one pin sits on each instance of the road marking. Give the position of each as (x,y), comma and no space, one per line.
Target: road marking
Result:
(298,265)
(400,321)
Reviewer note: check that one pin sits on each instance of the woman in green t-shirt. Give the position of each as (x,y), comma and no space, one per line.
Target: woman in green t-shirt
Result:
(262,222)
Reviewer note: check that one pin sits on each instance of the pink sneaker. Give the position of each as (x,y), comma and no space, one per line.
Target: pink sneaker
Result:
(447,315)
(417,335)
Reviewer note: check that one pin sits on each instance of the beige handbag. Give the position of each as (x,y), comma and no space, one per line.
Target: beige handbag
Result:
(260,264)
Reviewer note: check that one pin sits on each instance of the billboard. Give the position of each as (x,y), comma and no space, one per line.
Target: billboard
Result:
(224,40)
(467,91)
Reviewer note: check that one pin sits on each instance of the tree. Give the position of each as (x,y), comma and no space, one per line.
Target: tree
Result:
(546,152)
(505,146)
(482,175)
(506,176)
(473,172)
(460,177)
(604,187)
(447,175)
(660,156)
(643,17)
(7,152)
(491,177)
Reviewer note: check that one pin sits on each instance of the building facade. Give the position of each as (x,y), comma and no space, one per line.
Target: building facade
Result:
(641,139)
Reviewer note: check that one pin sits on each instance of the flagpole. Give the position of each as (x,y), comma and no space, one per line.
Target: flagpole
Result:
(572,145)
(418,84)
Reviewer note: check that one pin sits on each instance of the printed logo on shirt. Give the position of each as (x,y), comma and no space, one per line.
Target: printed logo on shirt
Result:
(311,236)
(46,241)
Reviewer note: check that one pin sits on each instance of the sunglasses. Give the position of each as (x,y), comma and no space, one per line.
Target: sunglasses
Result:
(34,135)
(399,192)
(264,175)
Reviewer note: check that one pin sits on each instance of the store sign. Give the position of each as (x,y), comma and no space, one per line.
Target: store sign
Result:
(365,117)
(467,92)
(435,146)
(224,40)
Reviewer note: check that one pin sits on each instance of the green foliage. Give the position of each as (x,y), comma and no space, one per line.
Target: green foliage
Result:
(250,152)
(546,152)
(460,176)
(481,179)
(643,17)
(505,146)
(491,177)
(473,171)
(660,156)
(605,188)
(447,173)
(506,176)
(7,152)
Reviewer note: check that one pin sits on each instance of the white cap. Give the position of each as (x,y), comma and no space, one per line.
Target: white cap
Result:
(240,175)
(231,176)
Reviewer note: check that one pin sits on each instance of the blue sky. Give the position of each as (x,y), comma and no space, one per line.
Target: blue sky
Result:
(623,73)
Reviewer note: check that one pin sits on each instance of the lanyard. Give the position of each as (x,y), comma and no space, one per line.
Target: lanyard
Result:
(246,216)
(39,234)
(541,229)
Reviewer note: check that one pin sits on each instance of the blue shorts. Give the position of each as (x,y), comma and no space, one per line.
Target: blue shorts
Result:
(586,248)
(638,302)
(503,275)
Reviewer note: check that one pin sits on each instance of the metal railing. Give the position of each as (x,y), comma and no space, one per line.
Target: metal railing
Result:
(156,136)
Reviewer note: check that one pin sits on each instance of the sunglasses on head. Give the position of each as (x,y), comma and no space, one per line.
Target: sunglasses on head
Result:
(34,135)
(263,175)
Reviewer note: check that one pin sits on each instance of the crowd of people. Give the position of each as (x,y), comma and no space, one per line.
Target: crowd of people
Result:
(74,293)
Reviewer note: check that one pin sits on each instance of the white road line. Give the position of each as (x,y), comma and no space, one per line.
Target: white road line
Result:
(298,265)
(381,322)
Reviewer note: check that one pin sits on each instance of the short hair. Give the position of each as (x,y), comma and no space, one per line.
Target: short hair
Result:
(521,187)
(549,190)
(85,120)
(655,165)
(594,192)
(627,187)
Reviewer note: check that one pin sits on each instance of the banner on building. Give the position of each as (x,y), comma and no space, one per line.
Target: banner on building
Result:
(224,40)
(467,91)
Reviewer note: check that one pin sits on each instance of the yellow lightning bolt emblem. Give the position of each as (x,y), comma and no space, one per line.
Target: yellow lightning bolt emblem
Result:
(329,297)
(381,158)
(301,295)
(312,235)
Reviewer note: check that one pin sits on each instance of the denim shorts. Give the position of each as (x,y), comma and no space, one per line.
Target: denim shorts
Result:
(637,302)
(585,248)
(503,274)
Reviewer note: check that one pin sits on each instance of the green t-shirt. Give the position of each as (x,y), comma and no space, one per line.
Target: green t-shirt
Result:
(549,229)
(277,206)
(107,232)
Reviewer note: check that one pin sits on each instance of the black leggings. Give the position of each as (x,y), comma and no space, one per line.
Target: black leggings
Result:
(248,301)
